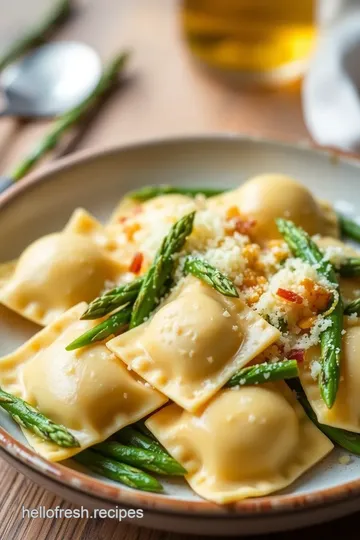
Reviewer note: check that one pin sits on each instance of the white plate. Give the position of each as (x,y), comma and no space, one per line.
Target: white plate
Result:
(44,202)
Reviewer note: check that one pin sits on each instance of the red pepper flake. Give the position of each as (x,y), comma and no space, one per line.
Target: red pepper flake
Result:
(296,354)
(244,226)
(290,296)
(136,263)
(122,219)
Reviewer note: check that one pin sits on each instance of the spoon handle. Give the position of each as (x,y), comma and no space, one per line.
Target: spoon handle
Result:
(5,182)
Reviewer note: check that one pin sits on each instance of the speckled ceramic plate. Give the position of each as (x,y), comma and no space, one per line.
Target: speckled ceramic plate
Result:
(43,202)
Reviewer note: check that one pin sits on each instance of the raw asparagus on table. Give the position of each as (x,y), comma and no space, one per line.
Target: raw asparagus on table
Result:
(303,247)
(152,288)
(120,472)
(113,299)
(133,437)
(149,192)
(156,462)
(349,227)
(210,275)
(112,325)
(346,439)
(67,120)
(263,373)
(38,34)
(30,418)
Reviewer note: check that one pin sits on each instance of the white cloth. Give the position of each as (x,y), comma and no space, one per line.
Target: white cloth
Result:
(331,89)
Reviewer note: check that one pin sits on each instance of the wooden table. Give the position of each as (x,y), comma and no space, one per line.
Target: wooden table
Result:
(165,94)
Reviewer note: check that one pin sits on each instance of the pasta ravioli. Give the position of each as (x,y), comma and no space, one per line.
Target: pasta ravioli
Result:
(345,413)
(59,270)
(143,226)
(194,343)
(89,391)
(246,442)
(269,196)
(210,301)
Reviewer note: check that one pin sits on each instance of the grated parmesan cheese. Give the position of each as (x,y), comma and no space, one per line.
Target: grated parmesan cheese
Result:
(315,369)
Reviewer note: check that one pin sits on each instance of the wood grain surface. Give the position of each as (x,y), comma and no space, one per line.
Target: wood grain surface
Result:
(164,94)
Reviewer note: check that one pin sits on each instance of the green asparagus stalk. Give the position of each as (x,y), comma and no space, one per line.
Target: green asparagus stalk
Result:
(151,289)
(149,192)
(120,472)
(303,247)
(210,275)
(346,439)
(263,373)
(113,299)
(140,426)
(159,273)
(111,326)
(144,459)
(132,437)
(350,267)
(353,307)
(30,418)
(51,139)
(349,227)
(38,34)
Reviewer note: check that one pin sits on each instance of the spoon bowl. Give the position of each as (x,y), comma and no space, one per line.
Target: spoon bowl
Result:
(50,80)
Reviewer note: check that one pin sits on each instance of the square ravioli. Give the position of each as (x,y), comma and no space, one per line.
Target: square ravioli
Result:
(246,442)
(345,413)
(88,390)
(194,343)
(60,270)
(137,226)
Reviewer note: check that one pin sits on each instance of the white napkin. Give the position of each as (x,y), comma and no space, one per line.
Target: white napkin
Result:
(331,89)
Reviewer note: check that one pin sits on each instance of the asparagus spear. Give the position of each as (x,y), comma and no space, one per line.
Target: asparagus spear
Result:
(350,267)
(30,418)
(262,373)
(120,472)
(67,120)
(303,247)
(149,192)
(159,273)
(132,437)
(346,439)
(37,35)
(113,299)
(140,426)
(349,227)
(353,307)
(156,462)
(210,275)
(151,289)
(113,325)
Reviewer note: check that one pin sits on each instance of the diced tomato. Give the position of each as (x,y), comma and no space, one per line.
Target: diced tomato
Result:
(136,263)
(296,354)
(290,296)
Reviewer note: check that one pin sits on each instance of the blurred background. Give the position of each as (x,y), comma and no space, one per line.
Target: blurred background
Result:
(274,68)
(197,66)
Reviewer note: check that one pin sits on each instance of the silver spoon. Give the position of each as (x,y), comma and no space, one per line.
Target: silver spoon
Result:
(50,80)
